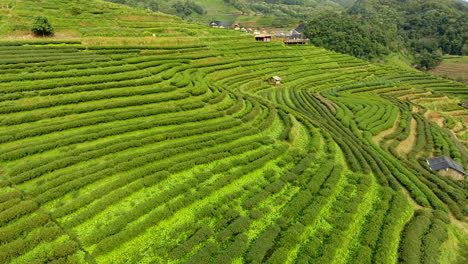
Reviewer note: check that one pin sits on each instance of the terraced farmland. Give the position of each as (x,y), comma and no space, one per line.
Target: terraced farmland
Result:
(186,154)
(95,18)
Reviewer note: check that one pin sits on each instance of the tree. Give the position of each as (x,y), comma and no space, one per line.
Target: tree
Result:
(42,27)
(187,8)
(427,61)
(349,34)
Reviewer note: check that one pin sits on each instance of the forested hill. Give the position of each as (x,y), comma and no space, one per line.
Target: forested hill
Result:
(442,24)
(247,12)
(421,30)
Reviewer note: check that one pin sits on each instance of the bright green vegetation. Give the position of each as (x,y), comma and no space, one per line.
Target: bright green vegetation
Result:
(92,18)
(134,154)
(186,154)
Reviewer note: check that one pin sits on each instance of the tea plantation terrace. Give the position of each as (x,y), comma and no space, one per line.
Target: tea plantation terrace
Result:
(187,154)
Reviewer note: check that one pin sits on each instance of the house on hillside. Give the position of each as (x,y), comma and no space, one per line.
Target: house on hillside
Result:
(294,34)
(295,38)
(300,28)
(275,80)
(296,41)
(281,34)
(446,167)
(263,37)
(219,24)
(215,24)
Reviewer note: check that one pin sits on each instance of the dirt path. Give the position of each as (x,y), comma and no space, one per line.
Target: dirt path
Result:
(462,225)
(406,145)
(415,205)
(415,96)
(434,116)
(382,134)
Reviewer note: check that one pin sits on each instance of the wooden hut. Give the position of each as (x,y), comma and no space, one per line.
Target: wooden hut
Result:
(275,80)
(263,38)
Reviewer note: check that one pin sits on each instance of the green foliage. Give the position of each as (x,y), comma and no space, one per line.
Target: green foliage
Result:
(346,34)
(423,237)
(427,61)
(371,29)
(182,8)
(182,249)
(188,7)
(412,238)
(185,150)
(42,27)
(260,246)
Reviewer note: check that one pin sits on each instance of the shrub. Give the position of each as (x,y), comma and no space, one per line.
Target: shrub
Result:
(42,27)
(261,245)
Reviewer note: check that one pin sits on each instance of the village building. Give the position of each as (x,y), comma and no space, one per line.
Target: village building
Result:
(215,23)
(295,38)
(296,41)
(219,24)
(294,34)
(300,28)
(446,167)
(263,37)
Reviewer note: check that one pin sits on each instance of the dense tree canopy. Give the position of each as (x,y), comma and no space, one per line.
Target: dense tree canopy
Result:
(346,34)
(443,22)
(373,28)
(187,7)
(42,26)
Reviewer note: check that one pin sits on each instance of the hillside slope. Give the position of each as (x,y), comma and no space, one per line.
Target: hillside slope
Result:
(188,153)
(85,18)
(428,24)
(248,13)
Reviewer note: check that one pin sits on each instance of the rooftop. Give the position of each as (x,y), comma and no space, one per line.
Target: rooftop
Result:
(441,163)
(263,36)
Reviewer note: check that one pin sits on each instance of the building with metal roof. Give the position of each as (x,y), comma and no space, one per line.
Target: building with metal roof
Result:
(263,37)
(442,163)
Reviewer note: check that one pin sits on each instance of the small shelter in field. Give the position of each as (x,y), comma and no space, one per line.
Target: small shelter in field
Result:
(465,104)
(263,37)
(275,80)
(447,167)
